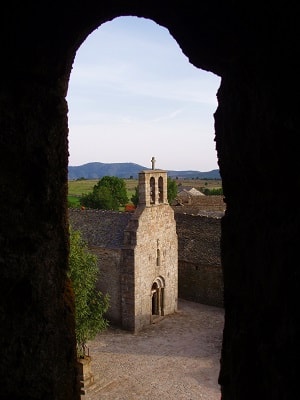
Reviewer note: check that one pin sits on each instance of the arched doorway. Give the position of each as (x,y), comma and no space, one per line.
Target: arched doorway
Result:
(157,298)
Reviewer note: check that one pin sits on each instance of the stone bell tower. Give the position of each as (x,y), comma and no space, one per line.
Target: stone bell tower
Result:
(149,282)
(153,188)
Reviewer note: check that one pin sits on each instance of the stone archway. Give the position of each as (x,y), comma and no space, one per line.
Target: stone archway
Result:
(157,298)
(251,47)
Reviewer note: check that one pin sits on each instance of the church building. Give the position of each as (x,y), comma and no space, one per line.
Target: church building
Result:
(137,254)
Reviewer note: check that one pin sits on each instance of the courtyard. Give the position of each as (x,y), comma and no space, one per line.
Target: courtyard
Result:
(178,357)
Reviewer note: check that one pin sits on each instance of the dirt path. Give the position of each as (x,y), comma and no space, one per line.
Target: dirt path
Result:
(176,358)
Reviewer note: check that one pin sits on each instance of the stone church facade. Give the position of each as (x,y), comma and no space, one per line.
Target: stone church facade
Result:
(137,254)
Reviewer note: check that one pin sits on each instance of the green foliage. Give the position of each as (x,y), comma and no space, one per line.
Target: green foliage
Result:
(213,192)
(109,194)
(99,199)
(172,189)
(90,304)
(135,197)
(73,202)
(116,187)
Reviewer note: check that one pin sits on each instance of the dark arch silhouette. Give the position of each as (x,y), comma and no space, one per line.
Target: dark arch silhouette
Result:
(254,48)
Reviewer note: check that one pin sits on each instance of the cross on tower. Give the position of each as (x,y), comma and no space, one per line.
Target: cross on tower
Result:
(153,162)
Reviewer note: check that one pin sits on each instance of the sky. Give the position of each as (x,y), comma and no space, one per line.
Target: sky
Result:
(133,95)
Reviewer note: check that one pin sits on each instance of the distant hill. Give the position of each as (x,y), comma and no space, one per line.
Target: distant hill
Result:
(96,170)
(214,174)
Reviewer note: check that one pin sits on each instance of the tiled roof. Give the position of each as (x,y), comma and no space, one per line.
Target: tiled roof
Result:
(100,228)
(190,190)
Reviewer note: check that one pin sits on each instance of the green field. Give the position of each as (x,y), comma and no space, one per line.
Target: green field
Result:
(79,187)
(201,183)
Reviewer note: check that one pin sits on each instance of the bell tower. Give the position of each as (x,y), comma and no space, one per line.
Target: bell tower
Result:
(149,281)
(153,186)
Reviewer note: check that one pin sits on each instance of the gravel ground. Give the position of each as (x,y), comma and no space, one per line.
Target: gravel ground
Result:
(178,358)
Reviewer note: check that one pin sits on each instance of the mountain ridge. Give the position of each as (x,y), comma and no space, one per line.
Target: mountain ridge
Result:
(96,170)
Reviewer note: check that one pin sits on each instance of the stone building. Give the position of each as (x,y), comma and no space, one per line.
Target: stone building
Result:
(137,253)
(186,194)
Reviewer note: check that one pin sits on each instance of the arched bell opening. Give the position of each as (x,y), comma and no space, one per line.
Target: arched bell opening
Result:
(160,189)
(152,190)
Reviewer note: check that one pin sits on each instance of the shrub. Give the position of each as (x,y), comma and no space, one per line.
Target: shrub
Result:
(90,304)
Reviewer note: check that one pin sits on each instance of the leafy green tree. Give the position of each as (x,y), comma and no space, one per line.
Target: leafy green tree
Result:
(172,189)
(90,304)
(109,194)
(135,197)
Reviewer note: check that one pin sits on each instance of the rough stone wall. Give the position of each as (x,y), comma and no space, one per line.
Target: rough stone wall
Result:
(212,203)
(110,261)
(200,283)
(37,326)
(199,259)
(200,203)
(152,228)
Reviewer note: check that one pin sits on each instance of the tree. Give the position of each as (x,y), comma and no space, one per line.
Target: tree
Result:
(90,304)
(172,189)
(109,194)
(135,196)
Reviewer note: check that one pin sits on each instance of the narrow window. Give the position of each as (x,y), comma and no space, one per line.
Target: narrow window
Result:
(160,190)
(155,299)
(158,257)
(152,190)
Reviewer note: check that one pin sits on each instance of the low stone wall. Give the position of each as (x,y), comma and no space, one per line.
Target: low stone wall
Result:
(199,258)
(202,203)
(200,283)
